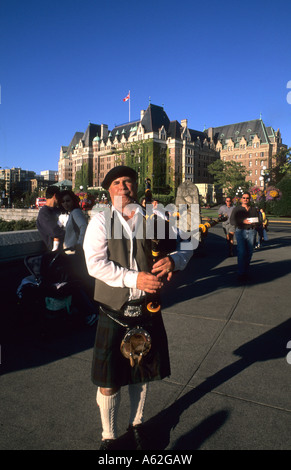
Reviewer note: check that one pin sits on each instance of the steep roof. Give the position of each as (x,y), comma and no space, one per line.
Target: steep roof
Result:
(241,129)
(124,129)
(174,130)
(195,134)
(74,141)
(154,118)
(91,132)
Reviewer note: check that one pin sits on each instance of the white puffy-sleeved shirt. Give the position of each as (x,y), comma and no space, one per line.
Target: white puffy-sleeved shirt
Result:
(99,266)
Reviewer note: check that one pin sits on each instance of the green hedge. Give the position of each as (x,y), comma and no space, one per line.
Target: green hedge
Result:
(16,225)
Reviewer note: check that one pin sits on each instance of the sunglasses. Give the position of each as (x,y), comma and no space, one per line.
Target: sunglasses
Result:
(245,197)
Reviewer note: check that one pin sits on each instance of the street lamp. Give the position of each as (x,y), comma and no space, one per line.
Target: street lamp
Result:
(239,191)
(264,177)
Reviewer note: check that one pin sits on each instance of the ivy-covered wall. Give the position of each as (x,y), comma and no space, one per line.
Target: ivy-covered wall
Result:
(83,177)
(151,160)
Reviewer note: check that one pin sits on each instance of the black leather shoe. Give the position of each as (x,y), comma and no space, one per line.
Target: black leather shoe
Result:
(106,444)
(138,436)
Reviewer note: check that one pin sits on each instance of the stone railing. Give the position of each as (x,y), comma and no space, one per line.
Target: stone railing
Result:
(18,214)
(18,245)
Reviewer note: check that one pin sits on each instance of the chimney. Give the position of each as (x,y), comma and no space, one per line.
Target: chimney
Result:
(142,114)
(104,131)
(184,123)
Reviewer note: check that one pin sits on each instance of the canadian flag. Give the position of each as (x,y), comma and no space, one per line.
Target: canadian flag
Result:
(127,97)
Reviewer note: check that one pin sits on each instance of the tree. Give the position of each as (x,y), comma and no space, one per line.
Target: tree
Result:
(229,176)
(281,165)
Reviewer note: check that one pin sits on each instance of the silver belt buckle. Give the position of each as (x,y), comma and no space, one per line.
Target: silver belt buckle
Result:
(132,311)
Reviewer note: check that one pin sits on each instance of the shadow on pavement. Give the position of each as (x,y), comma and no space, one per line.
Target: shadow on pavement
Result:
(27,342)
(271,345)
(203,275)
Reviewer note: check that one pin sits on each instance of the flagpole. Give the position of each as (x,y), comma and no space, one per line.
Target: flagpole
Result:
(129,107)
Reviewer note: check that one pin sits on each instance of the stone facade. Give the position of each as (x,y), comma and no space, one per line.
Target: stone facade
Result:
(167,152)
(250,143)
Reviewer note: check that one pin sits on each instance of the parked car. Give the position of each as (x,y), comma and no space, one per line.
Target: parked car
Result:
(40,201)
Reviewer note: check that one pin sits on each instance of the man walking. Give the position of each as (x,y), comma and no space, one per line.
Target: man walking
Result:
(245,219)
(228,229)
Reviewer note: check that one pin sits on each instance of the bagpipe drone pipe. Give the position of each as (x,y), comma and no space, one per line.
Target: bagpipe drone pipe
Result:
(203,228)
(162,243)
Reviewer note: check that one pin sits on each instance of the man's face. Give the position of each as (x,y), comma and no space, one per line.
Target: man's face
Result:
(55,200)
(245,199)
(123,191)
(228,201)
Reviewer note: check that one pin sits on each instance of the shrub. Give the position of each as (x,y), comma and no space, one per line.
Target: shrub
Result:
(282,207)
(14,225)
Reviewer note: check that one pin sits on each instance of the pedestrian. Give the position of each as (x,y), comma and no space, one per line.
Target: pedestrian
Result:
(75,229)
(245,218)
(262,229)
(77,222)
(228,229)
(124,276)
(47,220)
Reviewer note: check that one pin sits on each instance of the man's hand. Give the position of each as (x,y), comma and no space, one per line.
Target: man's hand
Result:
(148,282)
(163,267)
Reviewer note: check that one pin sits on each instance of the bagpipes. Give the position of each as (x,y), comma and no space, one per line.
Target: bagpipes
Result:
(188,195)
(160,247)
(136,342)
(203,228)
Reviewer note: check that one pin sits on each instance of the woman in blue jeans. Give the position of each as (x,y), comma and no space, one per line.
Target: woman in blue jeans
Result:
(245,218)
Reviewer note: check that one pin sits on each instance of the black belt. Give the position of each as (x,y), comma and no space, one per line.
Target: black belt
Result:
(129,313)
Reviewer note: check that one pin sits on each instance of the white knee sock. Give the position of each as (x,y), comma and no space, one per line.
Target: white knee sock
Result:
(137,396)
(108,405)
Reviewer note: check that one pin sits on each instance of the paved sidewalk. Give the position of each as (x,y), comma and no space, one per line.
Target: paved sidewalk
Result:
(231,378)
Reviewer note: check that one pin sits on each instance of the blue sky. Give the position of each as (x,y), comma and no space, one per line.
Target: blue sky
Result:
(65,63)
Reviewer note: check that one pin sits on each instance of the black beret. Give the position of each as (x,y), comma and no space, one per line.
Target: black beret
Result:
(117,172)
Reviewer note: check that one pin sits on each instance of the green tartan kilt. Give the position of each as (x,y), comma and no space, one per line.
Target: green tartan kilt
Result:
(111,369)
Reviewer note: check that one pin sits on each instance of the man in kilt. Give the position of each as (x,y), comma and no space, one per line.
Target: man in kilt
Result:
(120,260)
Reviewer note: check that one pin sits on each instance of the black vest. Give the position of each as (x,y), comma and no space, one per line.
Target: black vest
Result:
(118,250)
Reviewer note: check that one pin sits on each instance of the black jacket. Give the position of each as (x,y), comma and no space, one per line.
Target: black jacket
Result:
(47,225)
(239,213)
